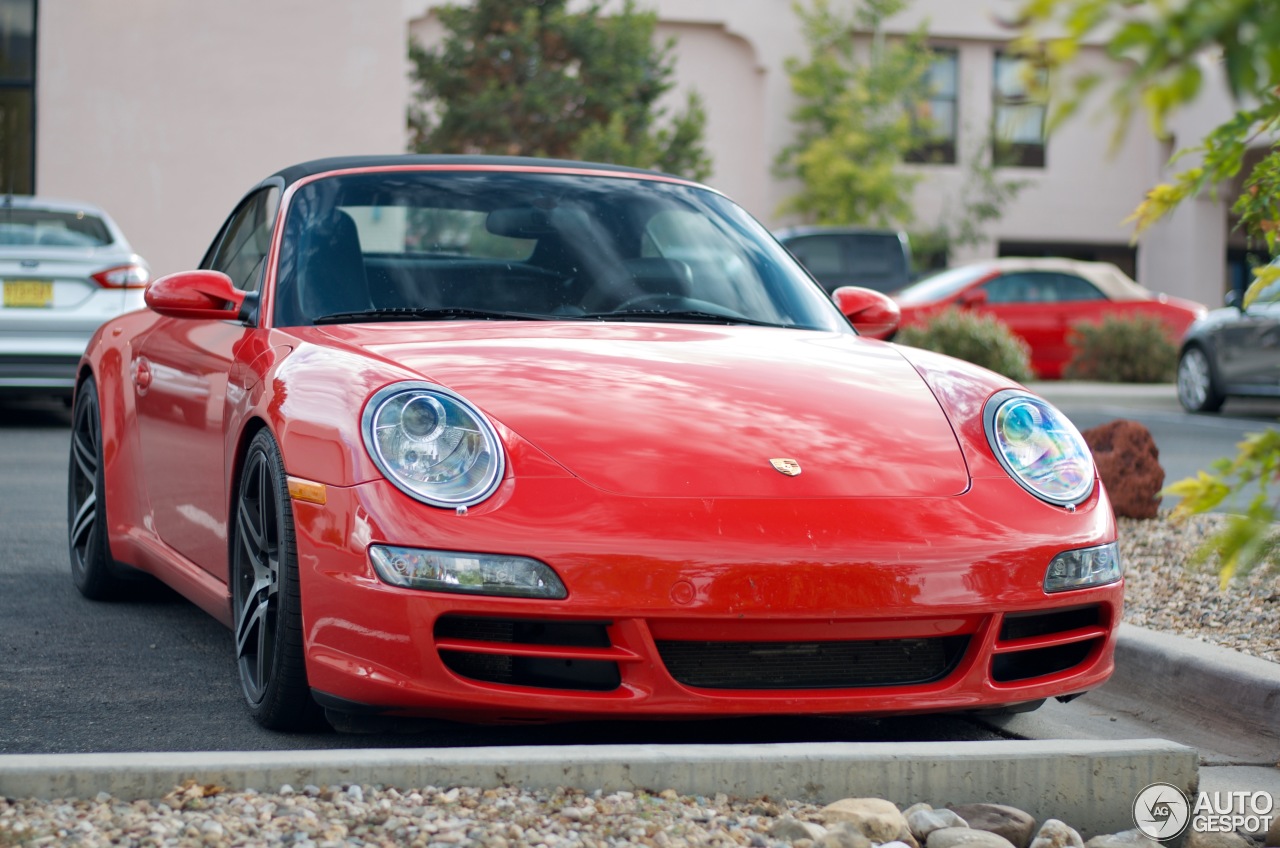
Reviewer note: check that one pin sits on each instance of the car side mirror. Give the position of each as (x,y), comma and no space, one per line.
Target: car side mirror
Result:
(196,294)
(872,313)
(972,298)
(1232,298)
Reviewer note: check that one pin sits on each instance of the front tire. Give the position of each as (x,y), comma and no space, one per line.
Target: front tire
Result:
(266,599)
(1198,391)
(93,570)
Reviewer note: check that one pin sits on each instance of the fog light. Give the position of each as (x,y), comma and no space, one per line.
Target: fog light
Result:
(475,574)
(1084,567)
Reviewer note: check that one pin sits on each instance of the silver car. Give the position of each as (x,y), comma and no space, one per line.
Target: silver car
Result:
(65,268)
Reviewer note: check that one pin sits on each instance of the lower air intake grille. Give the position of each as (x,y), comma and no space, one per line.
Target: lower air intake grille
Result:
(546,670)
(811,665)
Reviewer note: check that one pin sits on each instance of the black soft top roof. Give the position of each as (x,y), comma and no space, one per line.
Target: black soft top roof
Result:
(293,173)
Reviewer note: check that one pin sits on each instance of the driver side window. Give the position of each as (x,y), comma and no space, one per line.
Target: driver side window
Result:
(242,252)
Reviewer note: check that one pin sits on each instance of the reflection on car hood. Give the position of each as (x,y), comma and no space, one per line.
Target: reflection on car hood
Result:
(694,411)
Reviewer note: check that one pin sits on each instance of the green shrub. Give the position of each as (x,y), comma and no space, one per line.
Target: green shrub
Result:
(982,340)
(1135,349)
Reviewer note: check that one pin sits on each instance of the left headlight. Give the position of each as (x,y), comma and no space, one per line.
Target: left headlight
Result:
(1039,447)
(432,444)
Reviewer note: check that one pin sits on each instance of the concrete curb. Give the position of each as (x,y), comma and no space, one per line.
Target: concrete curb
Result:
(1202,682)
(1090,784)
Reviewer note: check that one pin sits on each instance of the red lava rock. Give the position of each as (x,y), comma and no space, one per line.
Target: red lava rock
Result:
(1129,464)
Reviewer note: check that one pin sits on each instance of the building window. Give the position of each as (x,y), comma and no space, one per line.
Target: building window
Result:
(933,120)
(1123,256)
(17,96)
(1019,113)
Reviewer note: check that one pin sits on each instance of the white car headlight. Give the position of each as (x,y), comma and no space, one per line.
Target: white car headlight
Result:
(1039,447)
(432,444)
(468,573)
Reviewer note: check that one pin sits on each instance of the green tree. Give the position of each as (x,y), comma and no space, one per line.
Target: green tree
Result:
(535,79)
(856,125)
(852,125)
(1166,48)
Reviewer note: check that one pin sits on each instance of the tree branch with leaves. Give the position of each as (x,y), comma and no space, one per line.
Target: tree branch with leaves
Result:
(1167,49)
(535,79)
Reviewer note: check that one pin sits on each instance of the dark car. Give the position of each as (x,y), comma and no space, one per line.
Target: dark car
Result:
(1232,351)
(851,256)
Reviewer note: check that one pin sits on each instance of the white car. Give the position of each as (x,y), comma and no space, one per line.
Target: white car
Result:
(65,268)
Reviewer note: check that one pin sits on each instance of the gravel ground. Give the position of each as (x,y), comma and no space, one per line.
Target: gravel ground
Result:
(1164,592)
(431,817)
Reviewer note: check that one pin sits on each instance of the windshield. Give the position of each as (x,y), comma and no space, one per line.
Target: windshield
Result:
(471,245)
(941,285)
(26,226)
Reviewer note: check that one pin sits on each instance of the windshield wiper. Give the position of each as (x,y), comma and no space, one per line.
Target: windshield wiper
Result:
(446,313)
(694,316)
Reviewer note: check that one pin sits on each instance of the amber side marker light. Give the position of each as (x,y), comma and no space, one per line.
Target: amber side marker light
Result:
(306,490)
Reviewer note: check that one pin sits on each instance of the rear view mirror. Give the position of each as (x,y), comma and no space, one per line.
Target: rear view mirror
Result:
(195,294)
(872,313)
(522,222)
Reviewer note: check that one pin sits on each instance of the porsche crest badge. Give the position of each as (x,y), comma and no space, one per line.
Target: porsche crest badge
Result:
(789,467)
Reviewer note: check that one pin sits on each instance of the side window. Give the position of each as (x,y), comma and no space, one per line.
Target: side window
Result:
(1071,287)
(242,252)
(1012,288)
(1038,287)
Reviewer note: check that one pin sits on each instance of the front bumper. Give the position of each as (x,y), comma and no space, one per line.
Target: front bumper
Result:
(684,608)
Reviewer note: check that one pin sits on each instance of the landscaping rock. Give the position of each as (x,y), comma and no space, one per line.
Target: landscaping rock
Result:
(877,819)
(966,837)
(1124,839)
(1129,465)
(1056,834)
(1010,822)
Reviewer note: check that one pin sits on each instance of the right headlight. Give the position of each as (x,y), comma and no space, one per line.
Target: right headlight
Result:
(1039,447)
(432,444)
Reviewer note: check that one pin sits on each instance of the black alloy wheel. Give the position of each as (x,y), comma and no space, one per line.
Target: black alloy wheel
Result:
(266,601)
(93,571)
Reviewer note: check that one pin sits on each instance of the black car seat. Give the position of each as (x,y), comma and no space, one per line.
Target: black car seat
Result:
(331,274)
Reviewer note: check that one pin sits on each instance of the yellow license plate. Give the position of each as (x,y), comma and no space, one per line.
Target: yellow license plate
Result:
(29,294)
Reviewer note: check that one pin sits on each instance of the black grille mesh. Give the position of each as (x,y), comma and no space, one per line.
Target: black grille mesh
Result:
(811,665)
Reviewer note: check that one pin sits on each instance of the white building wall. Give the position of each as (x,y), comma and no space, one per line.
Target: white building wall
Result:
(165,112)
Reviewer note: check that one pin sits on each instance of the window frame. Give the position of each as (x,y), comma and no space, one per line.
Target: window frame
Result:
(936,148)
(1008,153)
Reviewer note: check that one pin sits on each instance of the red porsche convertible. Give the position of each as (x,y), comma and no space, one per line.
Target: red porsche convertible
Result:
(504,439)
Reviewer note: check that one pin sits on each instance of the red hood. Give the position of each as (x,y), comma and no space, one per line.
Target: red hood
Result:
(693,411)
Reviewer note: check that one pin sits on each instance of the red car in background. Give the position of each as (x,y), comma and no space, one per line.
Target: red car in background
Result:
(513,439)
(1042,299)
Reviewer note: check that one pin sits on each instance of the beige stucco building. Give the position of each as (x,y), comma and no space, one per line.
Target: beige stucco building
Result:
(166,111)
